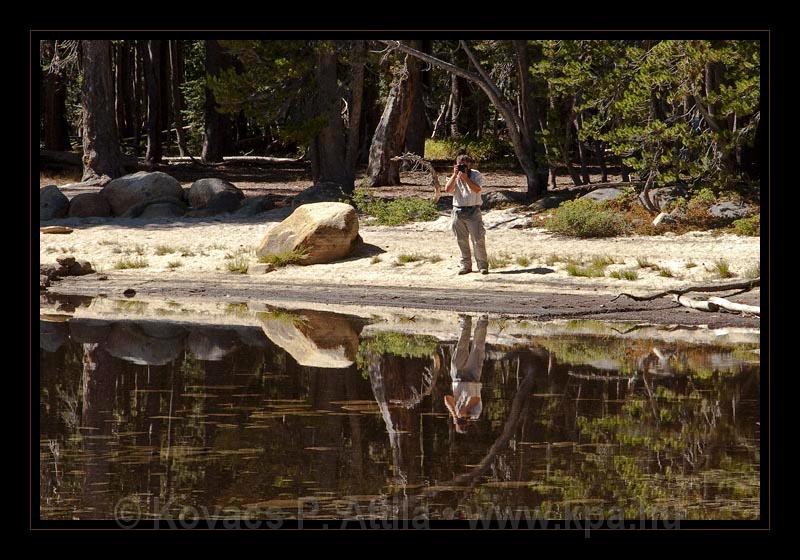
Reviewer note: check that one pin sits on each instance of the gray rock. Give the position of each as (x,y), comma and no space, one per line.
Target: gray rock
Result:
(87,205)
(211,344)
(605,194)
(222,202)
(729,209)
(322,192)
(256,205)
(203,191)
(171,209)
(547,202)
(499,199)
(130,190)
(65,261)
(52,335)
(87,331)
(53,203)
(662,196)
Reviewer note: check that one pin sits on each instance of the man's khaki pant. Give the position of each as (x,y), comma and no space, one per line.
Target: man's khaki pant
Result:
(471,226)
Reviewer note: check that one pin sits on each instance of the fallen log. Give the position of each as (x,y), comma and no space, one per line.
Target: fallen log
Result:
(695,304)
(51,158)
(248,160)
(733,306)
(744,286)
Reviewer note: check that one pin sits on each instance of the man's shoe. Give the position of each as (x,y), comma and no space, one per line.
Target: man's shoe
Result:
(484,271)
(464,271)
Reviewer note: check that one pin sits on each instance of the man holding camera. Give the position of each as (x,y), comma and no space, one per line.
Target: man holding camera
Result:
(465,184)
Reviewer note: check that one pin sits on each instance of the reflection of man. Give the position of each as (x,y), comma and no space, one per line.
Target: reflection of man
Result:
(465,369)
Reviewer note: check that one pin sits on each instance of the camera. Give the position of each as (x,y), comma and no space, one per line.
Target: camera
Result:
(462,168)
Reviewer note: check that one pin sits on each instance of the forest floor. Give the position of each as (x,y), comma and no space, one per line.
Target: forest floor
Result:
(190,258)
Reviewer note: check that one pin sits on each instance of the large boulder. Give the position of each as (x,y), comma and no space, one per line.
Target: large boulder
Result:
(162,207)
(547,202)
(313,338)
(662,196)
(203,190)
(52,203)
(131,343)
(130,190)
(325,231)
(87,205)
(256,205)
(730,209)
(501,199)
(223,202)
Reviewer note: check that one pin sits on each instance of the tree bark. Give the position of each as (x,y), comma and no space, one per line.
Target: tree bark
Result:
(56,130)
(138,94)
(330,142)
(358,53)
(177,98)
(389,137)
(102,159)
(165,90)
(120,76)
(217,138)
(151,52)
(418,122)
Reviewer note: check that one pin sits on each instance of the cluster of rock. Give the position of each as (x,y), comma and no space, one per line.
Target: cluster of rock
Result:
(65,266)
(151,195)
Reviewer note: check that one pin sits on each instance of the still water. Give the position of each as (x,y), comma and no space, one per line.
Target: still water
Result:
(311,413)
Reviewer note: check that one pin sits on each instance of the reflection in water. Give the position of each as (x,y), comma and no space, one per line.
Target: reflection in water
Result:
(308,406)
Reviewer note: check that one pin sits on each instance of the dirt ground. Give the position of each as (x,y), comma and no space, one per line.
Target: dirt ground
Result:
(190,257)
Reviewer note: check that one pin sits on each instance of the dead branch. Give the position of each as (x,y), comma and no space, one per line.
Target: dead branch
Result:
(418,162)
(744,286)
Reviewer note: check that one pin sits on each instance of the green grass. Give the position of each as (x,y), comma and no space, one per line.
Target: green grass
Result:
(135,262)
(748,226)
(486,148)
(602,262)
(164,250)
(174,264)
(523,261)
(644,262)
(574,269)
(753,272)
(238,264)
(500,260)
(394,212)
(723,269)
(586,218)
(625,275)
(186,252)
(294,256)
(406,258)
(666,273)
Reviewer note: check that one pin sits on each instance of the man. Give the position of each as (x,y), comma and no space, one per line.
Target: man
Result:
(466,184)
(466,366)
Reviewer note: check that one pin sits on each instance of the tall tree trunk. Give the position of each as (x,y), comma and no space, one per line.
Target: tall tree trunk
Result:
(101,154)
(601,160)
(530,122)
(455,107)
(389,137)
(417,129)
(358,52)
(165,93)
(217,138)
(56,129)
(330,142)
(120,76)
(138,95)
(176,68)
(151,52)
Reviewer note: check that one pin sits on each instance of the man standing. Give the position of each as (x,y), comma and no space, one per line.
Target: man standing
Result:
(466,184)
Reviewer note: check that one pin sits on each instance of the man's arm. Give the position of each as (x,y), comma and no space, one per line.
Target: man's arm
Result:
(451,183)
(473,186)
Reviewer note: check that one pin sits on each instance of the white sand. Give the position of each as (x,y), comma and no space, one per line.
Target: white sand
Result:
(208,245)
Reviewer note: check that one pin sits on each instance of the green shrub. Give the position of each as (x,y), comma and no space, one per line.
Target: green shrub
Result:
(625,275)
(283,259)
(586,218)
(589,271)
(394,212)
(748,226)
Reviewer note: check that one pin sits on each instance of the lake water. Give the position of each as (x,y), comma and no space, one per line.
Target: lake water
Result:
(306,413)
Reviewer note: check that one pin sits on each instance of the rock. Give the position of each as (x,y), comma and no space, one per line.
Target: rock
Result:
(256,205)
(130,190)
(80,268)
(662,196)
(203,190)
(65,261)
(52,203)
(604,194)
(322,192)
(663,218)
(44,281)
(499,199)
(52,335)
(171,209)
(88,331)
(130,292)
(55,229)
(547,202)
(325,230)
(729,209)
(211,345)
(225,201)
(313,338)
(128,342)
(260,268)
(87,205)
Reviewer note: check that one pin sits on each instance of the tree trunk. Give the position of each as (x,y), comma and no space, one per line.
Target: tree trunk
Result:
(120,75)
(418,123)
(216,141)
(358,53)
(101,154)
(138,95)
(165,93)
(389,137)
(151,52)
(440,125)
(529,115)
(330,142)
(56,130)
(601,160)
(455,107)
(177,98)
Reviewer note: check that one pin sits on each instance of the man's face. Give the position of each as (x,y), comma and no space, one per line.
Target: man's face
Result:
(467,163)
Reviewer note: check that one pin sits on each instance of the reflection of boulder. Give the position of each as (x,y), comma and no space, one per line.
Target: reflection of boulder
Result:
(313,338)
(52,335)
(251,336)
(211,345)
(129,342)
(88,331)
